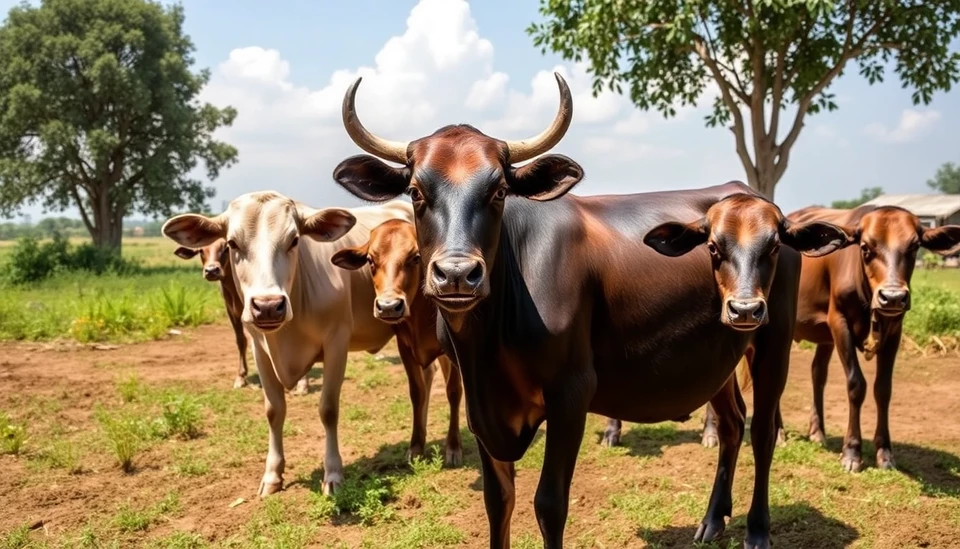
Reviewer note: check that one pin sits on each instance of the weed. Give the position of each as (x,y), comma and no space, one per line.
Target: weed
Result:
(63,454)
(129,520)
(125,435)
(188,465)
(17,538)
(130,387)
(12,435)
(364,498)
(179,540)
(182,416)
(270,528)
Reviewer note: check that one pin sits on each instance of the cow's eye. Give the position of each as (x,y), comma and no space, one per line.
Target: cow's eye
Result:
(775,249)
(294,242)
(232,244)
(712,248)
(500,194)
(415,194)
(415,259)
(866,252)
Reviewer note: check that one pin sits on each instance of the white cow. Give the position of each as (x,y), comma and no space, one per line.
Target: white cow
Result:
(299,307)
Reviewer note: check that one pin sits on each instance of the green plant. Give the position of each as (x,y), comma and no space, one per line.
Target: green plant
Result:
(182,416)
(12,435)
(63,454)
(130,387)
(125,435)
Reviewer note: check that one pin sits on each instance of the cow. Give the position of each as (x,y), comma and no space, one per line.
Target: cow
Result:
(298,307)
(394,262)
(216,268)
(555,305)
(856,299)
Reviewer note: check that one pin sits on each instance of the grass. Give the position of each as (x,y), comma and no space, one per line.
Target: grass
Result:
(13,435)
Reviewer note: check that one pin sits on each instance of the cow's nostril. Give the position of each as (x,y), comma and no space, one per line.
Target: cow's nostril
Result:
(475,276)
(732,310)
(438,274)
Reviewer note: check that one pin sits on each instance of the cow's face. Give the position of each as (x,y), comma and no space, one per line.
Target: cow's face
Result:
(889,239)
(262,231)
(743,234)
(458,179)
(213,258)
(394,261)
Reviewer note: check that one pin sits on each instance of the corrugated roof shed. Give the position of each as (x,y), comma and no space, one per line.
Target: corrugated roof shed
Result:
(921,205)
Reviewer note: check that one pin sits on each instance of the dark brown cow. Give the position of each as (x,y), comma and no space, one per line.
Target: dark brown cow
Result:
(556,305)
(216,268)
(856,299)
(394,260)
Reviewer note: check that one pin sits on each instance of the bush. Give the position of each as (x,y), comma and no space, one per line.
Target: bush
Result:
(12,435)
(182,416)
(125,434)
(935,313)
(31,261)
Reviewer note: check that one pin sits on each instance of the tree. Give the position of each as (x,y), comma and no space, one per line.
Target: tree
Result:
(866,195)
(947,179)
(99,110)
(763,55)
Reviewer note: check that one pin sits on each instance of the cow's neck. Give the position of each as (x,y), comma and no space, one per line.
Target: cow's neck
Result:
(484,342)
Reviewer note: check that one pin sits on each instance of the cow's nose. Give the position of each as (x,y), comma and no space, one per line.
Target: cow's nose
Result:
(894,299)
(746,313)
(390,308)
(268,310)
(212,272)
(457,275)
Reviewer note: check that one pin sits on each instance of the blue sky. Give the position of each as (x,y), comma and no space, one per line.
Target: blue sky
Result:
(285,64)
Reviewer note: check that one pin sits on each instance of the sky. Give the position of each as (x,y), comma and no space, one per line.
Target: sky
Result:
(284,65)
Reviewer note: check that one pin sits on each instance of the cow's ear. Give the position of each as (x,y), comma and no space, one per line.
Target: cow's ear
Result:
(185,253)
(545,178)
(328,224)
(942,240)
(195,230)
(814,239)
(370,178)
(350,259)
(674,239)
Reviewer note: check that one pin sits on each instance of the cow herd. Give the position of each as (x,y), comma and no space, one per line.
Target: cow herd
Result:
(540,305)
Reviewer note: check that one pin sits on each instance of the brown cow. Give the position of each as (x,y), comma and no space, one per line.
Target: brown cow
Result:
(555,305)
(856,299)
(394,261)
(216,268)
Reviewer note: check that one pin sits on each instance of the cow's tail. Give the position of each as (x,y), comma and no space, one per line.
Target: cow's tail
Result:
(744,379)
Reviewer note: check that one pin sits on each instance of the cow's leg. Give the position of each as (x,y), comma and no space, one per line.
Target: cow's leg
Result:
(334,369)
(882,392)
(710,436)
(303,386)
(566,407)
(781,432)
(730,412)
(611,435)
(769,369)
(818,371)
(852,458)
(275,403)
(419,393)
(499,496)
(453,453)
(241,337)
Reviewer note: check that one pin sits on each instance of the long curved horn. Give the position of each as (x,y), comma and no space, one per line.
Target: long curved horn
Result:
(528,148)
(387,150)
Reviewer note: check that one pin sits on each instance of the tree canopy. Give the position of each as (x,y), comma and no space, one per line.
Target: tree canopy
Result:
(763,55)
(947,179)
(866,195)
(99,109)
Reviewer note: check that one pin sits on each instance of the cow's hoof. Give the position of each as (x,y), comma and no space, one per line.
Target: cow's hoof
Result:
(851,463)
(817,436)
(885,459)
(756,541)
(414,452)
(269,488)
(453,457)
(240,382)
(710,440)
(781,438)
(610,439)
(709,530)
(331,483)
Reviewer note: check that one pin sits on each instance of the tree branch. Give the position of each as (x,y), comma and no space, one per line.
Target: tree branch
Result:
(83,212)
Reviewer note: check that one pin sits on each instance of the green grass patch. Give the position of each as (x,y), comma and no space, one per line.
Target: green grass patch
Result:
(13,435)
(130,520)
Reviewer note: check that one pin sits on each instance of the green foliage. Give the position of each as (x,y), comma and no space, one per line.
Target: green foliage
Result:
(129,520)
(364,498)
(17,538)
(125,435)
(764,56)
(12,435)
(63,454)
(866,195)
(935,311)
(182,416)
(99,110)
(30,261)
(947,179)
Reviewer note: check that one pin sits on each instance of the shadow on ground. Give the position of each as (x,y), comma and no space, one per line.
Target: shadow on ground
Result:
(797,525)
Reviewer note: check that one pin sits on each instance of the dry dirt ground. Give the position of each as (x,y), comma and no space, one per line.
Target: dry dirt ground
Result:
(65,489)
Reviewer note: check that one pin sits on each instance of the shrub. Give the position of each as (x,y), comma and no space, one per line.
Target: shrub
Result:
(182,417)
(125,435)
(30,261)
(935,312)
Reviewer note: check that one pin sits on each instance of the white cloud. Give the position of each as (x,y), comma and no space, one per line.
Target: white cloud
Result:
(439,71)
(913,124)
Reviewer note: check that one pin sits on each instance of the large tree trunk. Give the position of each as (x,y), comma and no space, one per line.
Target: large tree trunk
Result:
(107,230)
